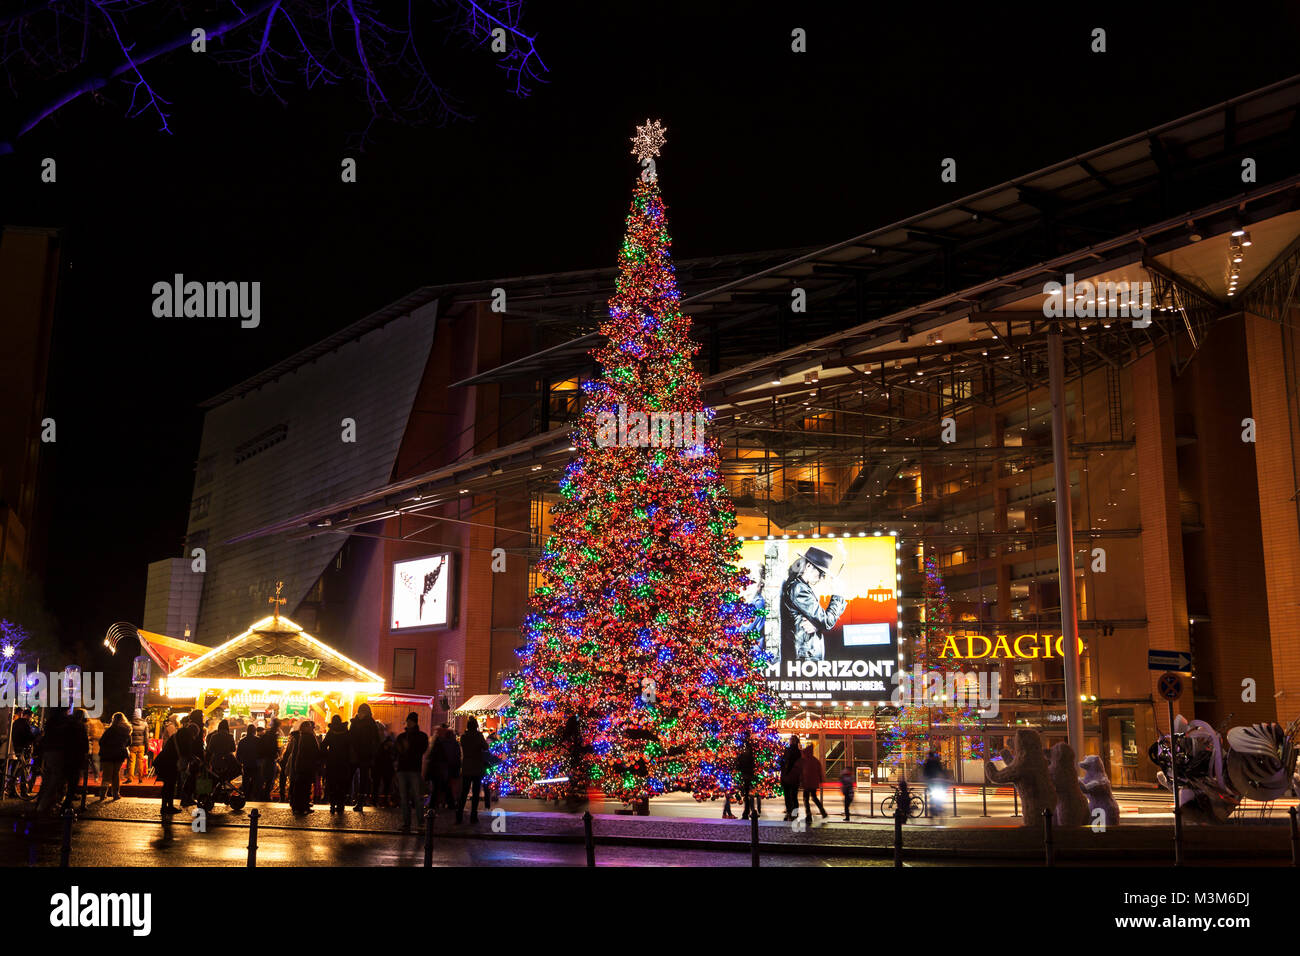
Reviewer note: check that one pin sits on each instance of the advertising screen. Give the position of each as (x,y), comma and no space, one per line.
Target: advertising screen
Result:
(421,592)
(832,615)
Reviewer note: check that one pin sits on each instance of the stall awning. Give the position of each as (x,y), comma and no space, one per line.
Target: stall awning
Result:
(274,653)
(410,700)
(484,704)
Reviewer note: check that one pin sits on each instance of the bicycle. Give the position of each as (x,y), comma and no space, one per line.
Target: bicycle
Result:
(23,773)
(915,805)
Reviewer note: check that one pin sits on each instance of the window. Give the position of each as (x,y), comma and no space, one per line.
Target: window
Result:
(404,668)
(259,443)
(199,507)
(205,471)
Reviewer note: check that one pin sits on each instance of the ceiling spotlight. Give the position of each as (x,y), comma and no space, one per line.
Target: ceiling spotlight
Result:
(1245,239)
(1238,232)
(1236,257)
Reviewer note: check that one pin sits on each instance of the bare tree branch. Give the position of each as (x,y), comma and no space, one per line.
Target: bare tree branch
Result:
(55,52)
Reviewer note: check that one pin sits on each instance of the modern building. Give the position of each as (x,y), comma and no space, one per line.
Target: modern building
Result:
(29,272)
(910,397)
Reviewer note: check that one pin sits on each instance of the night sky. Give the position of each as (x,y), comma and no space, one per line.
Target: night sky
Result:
(766,149)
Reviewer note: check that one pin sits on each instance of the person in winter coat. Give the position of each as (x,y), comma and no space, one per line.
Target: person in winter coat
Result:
(410,747)
(381,783)
(76,753)
(451,755)
(268,752)
(189,750)
(846,789)
(167,769)
(139,747)
(94,730)
(249,762)
(363,739)
(790,776)
(113,749)
(438,767)
(745,768)
(303,761)
(220,753)
(473,751)
(811,776)
(338,764)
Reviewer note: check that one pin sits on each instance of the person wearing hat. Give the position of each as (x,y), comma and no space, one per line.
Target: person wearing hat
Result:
(804,622)
(139,743)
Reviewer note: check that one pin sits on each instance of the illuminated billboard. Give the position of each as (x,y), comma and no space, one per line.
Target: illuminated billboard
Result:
(421,592)
(832,614)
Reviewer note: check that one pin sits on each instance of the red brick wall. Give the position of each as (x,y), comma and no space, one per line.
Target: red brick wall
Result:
(1162,544)
(1225,562)
(1270,353)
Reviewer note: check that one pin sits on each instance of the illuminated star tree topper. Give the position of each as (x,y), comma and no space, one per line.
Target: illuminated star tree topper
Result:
(648,140)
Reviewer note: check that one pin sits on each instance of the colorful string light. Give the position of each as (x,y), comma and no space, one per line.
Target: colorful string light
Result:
(639,675)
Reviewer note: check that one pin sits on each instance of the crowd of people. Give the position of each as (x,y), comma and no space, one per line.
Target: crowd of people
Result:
(357,763)
(800,769)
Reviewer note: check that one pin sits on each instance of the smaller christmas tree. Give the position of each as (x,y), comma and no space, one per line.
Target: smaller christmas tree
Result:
(925,717)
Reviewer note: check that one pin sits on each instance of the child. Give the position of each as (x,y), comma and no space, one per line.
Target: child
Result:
(846,788)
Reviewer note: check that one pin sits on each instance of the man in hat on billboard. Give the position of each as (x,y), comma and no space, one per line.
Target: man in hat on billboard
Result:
(804,622)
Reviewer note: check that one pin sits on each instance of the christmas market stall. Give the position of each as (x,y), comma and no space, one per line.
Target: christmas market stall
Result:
(273,667)
(486,708)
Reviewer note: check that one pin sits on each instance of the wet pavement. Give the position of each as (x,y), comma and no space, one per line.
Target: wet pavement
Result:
(106,843)
(129,830)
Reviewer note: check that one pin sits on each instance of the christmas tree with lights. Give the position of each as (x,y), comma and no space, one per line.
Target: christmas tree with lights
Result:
(925,718)
(639,675)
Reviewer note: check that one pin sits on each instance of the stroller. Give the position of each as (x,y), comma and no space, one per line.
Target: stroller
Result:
(216,784)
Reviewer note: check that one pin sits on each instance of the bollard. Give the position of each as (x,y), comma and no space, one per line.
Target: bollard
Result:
(984,798)
(1047,837)
(1015,802)
(252,836)
(898,839)
(428,834)
(591,844)
(873,799)
(753,838)
(954,801)
(1295,838)
(65,851)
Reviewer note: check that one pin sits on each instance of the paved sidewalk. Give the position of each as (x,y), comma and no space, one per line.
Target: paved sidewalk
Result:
(1001,839)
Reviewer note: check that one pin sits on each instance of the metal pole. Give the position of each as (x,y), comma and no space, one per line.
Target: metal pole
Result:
(1295,838)
(591,843)
(65,851)
(252,836)
(753,838)
(1065,542)
(899,816)
(1173,779)
(428,832)
(984,798)
(1047,837)
(954,800)
(1015,802)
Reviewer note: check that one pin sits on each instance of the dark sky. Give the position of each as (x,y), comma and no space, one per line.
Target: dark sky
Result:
(766,149)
